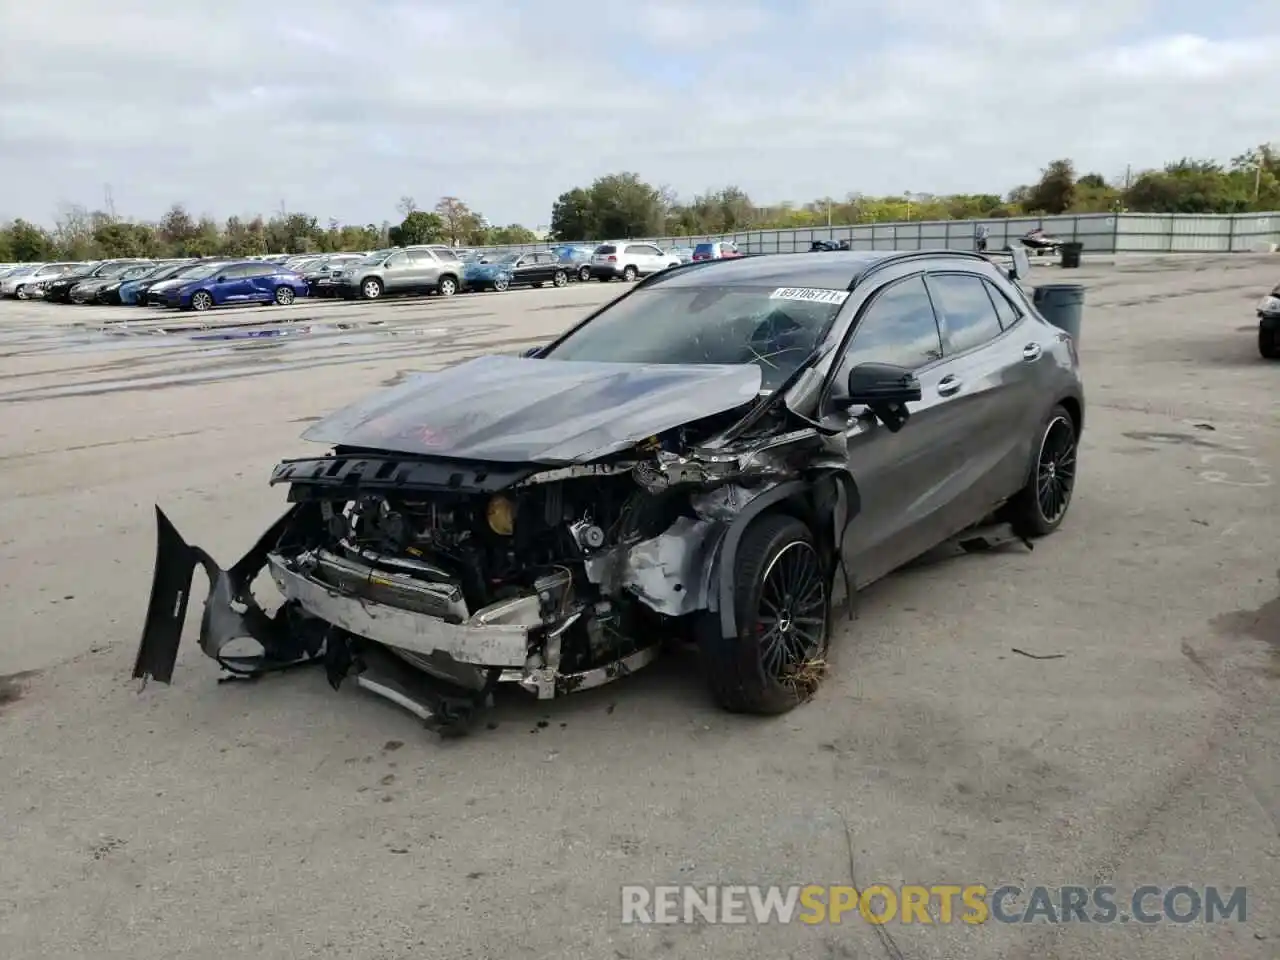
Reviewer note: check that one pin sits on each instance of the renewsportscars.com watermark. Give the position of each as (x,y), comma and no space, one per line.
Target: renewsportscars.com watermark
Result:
(935,904)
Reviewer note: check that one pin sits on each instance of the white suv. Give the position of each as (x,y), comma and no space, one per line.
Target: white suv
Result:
(629,259)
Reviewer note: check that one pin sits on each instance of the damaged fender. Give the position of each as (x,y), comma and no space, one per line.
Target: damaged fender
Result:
(230,611)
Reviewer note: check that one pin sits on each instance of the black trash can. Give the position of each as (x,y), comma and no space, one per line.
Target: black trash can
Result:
(1071,255)
(1062,304)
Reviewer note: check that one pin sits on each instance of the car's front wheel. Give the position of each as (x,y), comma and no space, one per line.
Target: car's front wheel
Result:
(1268,342)
(584,274)
(371,289)
(1039,508)
(447,287)
(500,283)
(560,278)
(783,609)
(20,293)
(201,300)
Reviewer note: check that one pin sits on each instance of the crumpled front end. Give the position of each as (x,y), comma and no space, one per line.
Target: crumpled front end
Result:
(473,574)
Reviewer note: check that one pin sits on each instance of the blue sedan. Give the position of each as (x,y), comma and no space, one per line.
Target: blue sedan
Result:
(250,282)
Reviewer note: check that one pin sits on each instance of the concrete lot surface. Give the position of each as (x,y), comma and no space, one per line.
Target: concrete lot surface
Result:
(281,820)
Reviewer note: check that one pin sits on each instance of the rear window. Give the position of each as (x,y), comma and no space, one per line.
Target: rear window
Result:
(705,248)
(605,248)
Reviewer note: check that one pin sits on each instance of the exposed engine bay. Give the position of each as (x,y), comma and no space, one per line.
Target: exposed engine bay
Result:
(477,574)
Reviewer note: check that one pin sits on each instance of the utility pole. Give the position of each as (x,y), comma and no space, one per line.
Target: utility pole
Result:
(1257,178)
(109,202)
(828,212)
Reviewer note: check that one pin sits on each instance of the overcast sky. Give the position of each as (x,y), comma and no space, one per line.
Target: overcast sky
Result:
(341,108)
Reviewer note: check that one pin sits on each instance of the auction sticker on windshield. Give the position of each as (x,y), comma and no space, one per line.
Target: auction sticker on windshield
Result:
(810,295)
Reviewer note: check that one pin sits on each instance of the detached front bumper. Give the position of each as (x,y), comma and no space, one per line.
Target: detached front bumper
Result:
(330,616)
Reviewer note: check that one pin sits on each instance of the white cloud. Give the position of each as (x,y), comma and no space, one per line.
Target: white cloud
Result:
(340,108)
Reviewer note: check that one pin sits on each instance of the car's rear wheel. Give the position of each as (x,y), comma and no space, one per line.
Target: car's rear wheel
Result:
(20,293)
(371,289)
(1268,342)
(783,608)
(201,300)
(1039,508)
(560,279)
(284,296)
(584,274)
(447,287)
(501,283)
(629,274)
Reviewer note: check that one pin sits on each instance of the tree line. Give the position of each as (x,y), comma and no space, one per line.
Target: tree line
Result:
(623,205)
(80,234)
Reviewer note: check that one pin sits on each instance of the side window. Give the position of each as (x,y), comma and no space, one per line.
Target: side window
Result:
(898,327)
(237,273)
(422,258)
(1005,310)
(970,316)
(397,261)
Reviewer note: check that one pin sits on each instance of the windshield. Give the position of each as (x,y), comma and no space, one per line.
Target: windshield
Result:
(116,269)
(200,272)
(711,325)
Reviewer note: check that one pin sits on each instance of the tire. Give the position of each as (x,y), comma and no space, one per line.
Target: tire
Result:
(370,288)
(501,283)
(742,672)
(629,274)
(584,274)
(560,279)
(20,293)
(1268,343)
(284,295)
(201,301)
(447,286)
(1053,474)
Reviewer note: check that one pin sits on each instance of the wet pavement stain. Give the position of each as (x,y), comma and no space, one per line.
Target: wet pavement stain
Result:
(1172,439)
(13,687)
(1260,624)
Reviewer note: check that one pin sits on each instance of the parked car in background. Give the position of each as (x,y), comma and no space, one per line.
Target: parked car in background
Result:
(245,281)
(684,253)
(133,290)
(90,289)
(25,281)
(155,292)
(716,250)
(517,270)
(58,289)
(431,269)
(576,257)
(824,246)
(1269,325)
(320,274)
(623,260)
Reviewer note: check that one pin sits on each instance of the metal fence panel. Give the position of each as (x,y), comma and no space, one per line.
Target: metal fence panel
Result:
(1097,232)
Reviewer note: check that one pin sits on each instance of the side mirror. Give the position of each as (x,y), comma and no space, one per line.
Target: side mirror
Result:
(221,278)
(885,389)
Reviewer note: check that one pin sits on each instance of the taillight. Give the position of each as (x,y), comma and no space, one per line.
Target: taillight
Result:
(613,259)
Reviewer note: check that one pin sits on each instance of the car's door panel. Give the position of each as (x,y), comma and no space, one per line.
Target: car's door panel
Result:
(263,281)
(235,288)
(424,270)
(996,395)
(901,476)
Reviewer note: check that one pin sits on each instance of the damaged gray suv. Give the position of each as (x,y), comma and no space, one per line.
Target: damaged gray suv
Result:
(709,456)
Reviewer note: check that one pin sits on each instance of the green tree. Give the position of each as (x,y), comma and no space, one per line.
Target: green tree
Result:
(511,235)
(1056,190)
(28,243)
(460,223)
(418,227)
(572,217)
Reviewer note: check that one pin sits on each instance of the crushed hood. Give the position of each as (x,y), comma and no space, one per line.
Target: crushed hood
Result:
(517,410)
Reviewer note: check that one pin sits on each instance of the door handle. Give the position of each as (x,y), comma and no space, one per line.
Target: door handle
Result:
(1032,351)
(948,385)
